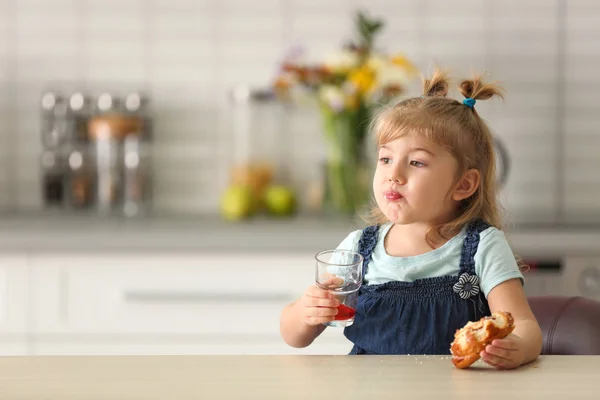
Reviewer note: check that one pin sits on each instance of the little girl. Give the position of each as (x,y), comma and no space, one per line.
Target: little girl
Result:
(434,255)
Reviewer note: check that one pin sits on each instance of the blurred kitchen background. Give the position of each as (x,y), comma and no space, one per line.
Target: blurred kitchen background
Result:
(112,232)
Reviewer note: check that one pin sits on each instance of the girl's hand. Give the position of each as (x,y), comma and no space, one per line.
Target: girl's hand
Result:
(507,353)
(318,306)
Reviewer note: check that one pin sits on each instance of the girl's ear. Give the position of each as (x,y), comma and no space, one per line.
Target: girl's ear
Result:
(467,185)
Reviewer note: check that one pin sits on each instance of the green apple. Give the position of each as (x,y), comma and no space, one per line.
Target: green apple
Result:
(237,202)
(280,200)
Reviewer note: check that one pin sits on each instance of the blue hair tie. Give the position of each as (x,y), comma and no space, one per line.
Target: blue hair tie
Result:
(469,102)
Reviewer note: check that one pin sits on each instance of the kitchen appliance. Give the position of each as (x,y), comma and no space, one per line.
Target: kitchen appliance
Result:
(259,131)
(96,152)
(502,162)
(566,276)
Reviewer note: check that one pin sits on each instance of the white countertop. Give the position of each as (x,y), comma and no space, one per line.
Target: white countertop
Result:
(84,233)
(292,377)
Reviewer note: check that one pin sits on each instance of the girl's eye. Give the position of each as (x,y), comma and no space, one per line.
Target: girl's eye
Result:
(384,160)
(415,163)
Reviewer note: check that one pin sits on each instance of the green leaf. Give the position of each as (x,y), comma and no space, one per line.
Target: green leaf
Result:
(377,26)
(367,28)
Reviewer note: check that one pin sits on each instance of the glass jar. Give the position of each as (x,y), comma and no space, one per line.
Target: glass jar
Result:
(53,178)
(136,176)
(80,110)
(260,154)
(54,120)
(79,179)
(107,133)
(108,174)
(138,104)
(258,128)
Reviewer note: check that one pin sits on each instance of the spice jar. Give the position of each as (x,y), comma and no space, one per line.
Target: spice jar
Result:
(53,179)
(138,104)
(79,178)
(106,134)
(54,120)
(80,107)
(136,182)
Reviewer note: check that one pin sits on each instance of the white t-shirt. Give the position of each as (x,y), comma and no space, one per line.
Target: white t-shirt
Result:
(494,261)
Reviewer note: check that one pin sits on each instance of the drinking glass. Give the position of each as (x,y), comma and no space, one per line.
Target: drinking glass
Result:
(340,272)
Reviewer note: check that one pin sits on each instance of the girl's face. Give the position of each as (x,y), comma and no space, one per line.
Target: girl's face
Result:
(415,180)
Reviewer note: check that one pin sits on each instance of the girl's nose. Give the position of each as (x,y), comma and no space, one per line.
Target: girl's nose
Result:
(397,177)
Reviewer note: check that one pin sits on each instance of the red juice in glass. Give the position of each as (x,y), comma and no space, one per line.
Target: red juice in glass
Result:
(340,273)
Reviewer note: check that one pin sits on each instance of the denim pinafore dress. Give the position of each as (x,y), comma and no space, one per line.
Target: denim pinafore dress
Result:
(418,317)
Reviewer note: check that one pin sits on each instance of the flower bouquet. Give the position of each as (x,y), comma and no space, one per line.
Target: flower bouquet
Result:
(348,87)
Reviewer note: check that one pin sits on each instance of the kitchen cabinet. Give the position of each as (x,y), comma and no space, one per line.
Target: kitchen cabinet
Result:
(13,345)
(14,304)
(97,303)
(209,303)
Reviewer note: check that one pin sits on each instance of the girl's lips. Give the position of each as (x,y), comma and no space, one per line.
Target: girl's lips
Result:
(393,196)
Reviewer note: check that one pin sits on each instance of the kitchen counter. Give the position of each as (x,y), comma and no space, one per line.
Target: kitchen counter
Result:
(84,233)
(291,377)
(55,233)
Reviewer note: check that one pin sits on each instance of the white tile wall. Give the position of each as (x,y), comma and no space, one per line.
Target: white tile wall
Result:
(188,53)
(582,116)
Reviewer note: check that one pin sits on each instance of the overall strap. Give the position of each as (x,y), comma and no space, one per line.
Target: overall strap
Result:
(467,270)
(470,244)
(367,243)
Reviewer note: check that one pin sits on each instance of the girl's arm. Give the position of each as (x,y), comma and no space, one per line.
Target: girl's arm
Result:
(294,331)
(302,321)
(525,343)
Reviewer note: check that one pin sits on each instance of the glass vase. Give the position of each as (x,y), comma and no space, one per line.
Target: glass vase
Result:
(347,183)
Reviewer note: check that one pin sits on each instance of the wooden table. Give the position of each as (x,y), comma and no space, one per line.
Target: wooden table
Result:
(292,377)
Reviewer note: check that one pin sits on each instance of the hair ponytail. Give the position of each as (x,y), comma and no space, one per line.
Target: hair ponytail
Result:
(477,90)
(437,86)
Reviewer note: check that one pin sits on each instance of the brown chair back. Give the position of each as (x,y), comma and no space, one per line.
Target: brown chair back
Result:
(570,325)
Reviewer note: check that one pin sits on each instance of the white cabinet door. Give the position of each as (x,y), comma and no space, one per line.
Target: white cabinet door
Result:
(165,293)
(14,345)
(13,304)
(13,294)
(169,304)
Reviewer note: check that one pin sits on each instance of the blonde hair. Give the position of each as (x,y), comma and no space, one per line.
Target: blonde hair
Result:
(460,130)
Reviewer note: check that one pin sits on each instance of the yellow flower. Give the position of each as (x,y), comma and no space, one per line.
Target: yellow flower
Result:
(363,78)
(403,62)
